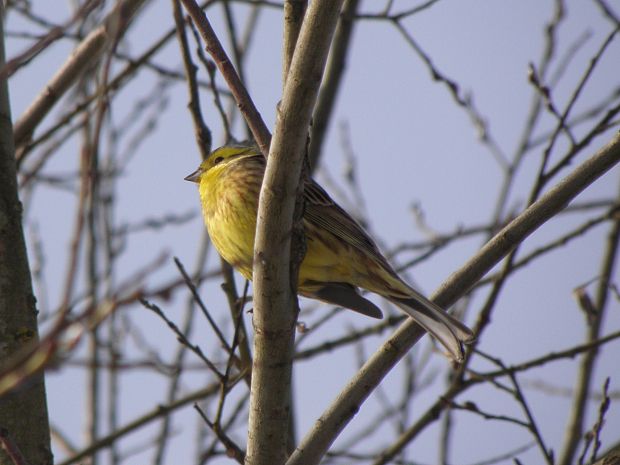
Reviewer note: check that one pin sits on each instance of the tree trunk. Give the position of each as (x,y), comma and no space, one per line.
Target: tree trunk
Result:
(24,426)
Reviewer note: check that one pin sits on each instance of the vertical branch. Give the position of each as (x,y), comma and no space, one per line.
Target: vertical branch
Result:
(574,430)
(203,134)
(334,74)
(250,28)
(114,346)
(92,279)
(275,263)
(236,304)
(534,112)
(23,416)
(92,144)
(234,41)
(294,11)
(214,48)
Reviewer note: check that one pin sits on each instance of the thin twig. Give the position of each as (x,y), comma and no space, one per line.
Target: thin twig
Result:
(215,49)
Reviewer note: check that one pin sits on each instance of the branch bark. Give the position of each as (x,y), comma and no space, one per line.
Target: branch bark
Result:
(23,413)
(294,11)
(338,415)
(275,280)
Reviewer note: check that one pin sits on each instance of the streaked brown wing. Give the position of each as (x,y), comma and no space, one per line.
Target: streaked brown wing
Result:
(323,212)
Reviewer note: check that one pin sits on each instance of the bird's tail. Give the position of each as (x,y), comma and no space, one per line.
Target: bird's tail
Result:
(449,331)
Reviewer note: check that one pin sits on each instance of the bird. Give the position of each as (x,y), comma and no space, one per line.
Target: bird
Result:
(341,258)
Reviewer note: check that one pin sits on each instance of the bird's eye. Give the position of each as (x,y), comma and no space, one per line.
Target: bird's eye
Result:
(218,160)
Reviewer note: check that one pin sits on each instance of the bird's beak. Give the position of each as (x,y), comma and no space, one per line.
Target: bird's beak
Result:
(194,177)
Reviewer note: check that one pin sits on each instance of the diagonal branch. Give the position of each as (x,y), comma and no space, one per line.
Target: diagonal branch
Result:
(86,53)
(338,415)
(214,48)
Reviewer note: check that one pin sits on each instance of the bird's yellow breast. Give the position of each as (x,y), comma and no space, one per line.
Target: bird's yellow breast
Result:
(229,207)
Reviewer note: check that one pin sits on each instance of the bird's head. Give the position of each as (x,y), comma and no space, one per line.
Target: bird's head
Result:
(220,157)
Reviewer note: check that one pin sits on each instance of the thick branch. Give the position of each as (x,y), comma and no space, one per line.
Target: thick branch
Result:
(274,285)
(294,11)
(335,419)
(23,412)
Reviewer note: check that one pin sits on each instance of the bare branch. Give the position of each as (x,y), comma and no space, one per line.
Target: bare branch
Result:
(574,428)
(87,52)
(277,256)
(215,49)
(333,421)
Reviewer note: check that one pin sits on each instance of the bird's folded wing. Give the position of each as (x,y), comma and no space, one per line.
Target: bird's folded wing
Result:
(342,295)
(325,214)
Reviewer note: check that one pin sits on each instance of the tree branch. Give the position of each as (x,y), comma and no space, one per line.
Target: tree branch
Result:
(584,379)
(88,51)
(275,282)
(334,75)
(24,422)
(214,48)
(338,415)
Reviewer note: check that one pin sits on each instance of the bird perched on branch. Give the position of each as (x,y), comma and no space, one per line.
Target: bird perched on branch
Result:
(340,257)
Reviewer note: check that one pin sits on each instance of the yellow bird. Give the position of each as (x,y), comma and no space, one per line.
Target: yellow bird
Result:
(340,258)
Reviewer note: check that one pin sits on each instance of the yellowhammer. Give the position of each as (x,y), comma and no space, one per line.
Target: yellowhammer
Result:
(340,257)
